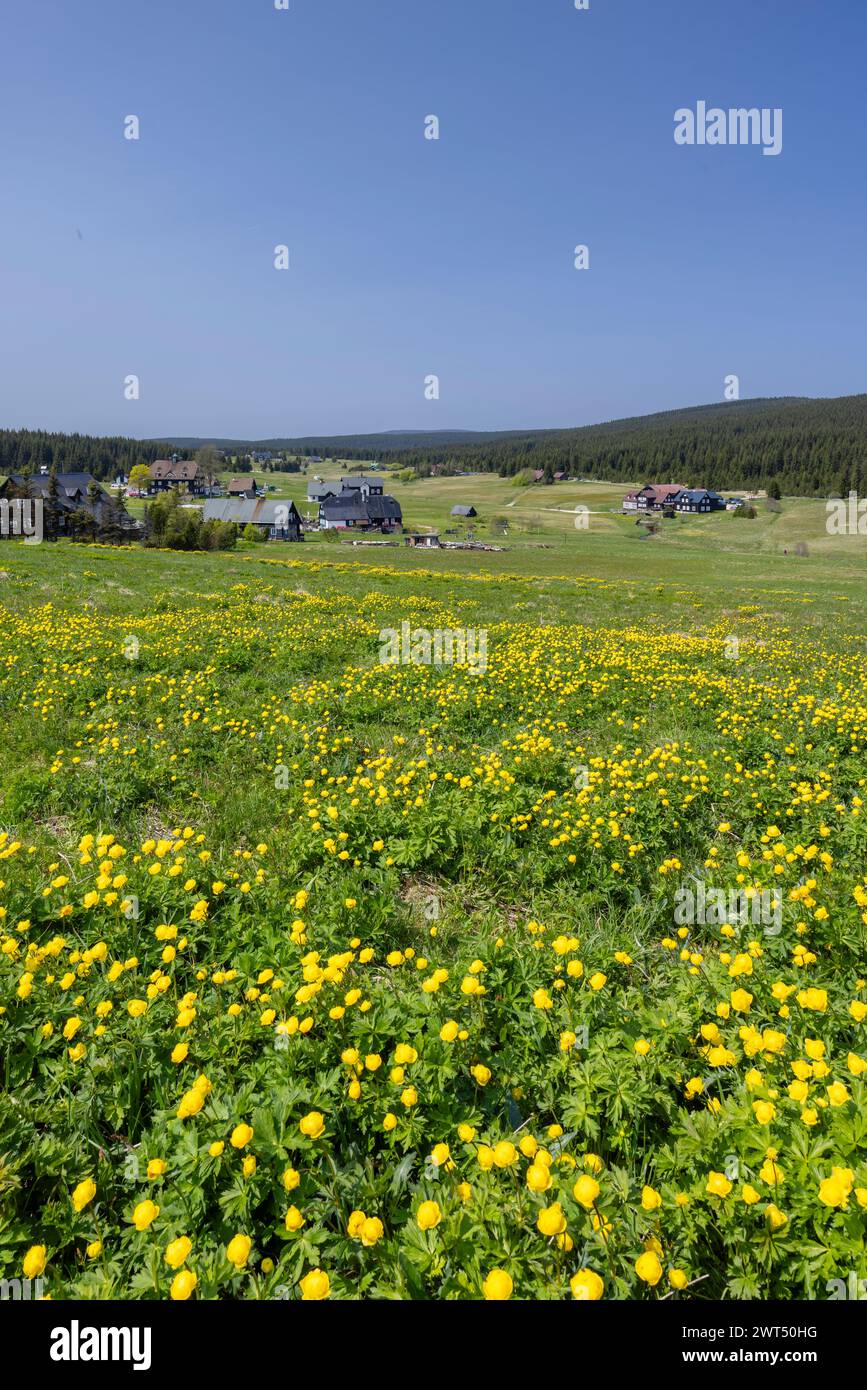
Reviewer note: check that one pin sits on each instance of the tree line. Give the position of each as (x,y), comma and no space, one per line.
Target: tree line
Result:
(800,448)
(28,451)
(805,447)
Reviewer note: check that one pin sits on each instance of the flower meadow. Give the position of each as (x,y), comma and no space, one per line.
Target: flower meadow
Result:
(327,979)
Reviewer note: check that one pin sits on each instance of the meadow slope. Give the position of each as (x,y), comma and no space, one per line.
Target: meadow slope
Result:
(323,977)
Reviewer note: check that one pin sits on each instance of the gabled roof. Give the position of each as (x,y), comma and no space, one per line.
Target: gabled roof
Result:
(174,470)
(241,485)
(351,506)
(658,492)
(245,511)
(463,511)
(69,485)
(383,508)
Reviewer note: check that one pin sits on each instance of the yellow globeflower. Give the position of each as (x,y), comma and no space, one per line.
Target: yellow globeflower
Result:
(315,1286)
(498,1286)
(648,1268)
(718,1185)
(834,1191)
(551,1221)
(538,1178)
(241,1136)
(144,1214)
(586,1286)
(355,1223)
(83,1194)
(35,1261)
(313,1125)
(191,1104)
(178,1252)
(238,1251)
(428,1216)
(183,1285)
(586,1190)
(371,1231)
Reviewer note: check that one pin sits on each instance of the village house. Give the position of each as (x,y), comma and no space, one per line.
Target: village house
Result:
(671,497)
(368,487)
(184,474)
(659,497)
(352,509)
(242,487)
(318,491)
(429,541)
(699,500)
(281,520)
(76,501)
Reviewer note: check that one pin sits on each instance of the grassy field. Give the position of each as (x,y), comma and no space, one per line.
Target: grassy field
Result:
(542,516)
(327,977)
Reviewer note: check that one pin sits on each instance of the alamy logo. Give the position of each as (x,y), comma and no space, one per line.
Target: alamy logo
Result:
(739,125)
(77,1343)
(854,1288)
(21,517)
(734,906)
(846,516)
(420,646)
(24,1290)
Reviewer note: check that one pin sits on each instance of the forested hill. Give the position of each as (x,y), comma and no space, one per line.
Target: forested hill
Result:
(809,447)
(25,451)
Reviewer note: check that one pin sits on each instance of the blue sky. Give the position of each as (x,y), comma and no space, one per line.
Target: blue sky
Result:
(412,257)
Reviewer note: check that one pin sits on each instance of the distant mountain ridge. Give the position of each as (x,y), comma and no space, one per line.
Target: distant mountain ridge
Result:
(396,440)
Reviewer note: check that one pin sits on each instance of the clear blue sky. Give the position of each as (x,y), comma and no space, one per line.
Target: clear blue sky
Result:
(408,256)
